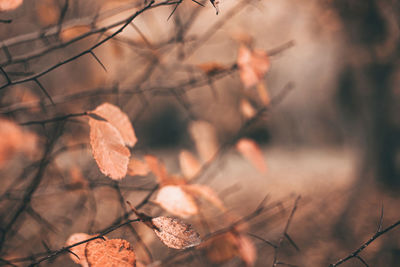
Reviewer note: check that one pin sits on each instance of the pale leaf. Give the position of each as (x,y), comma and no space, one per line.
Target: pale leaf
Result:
(119,120)
(247,251)
(206,193)
(78,250)
(176,201)
(190,166)
(253,65)
(247,109)
(157,168)
(205,138)
(252,152)
(6,5)
(110,253)
(137,167)
(108,149)
(176,234)
(263,94)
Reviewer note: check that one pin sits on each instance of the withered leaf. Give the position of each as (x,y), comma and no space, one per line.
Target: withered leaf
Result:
(205,138)
(157,168)
(108,149)
(176,201)
(190,166)
(110,253)
(246,249)
(252,152)
(137,167)
(119,120)
(176,234)
(252,65)
(78,250)
(6,5)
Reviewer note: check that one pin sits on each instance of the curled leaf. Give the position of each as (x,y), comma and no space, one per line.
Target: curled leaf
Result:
(176,201)
(190,166)
(252,65)
(205,138)
(108,149)
(252,152)
(6,5)
(138,168)
(176,234)
(119,120)
(110,253)
(78,250)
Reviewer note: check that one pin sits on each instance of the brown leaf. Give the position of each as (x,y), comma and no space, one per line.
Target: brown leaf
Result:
(176,201)
(205,138)
(252,65)
(137,167)
(205,192)
(73,32)
(6,5)
(119,120)
(247,251)
(252,152)
(14,140)
(108,149)
(263,94)
(78,250)
(176,234)
(110,253)
(221,248)
(190,166)
(157,168)
(247,109)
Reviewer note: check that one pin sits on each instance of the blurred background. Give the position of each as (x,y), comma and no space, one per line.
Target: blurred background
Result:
(333,138)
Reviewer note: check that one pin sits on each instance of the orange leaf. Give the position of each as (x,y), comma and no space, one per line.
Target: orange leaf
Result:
(175,234)
(190,166)
(78,250)
(108,149)
(247,251)
(252,152)
(205,192)
(252,65)
(119,120)
(157,168)
(110,253)
(247,109)
(205,138)
(263,94)
(73,32)
(137,167)
(6,5)
(176,201)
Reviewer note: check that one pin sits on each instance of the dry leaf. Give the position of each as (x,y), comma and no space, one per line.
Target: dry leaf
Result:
(78,250)
(252,65)
(14,140)
(263,94)
(119,120)
(110,253)
(221,248)
(157,168)
(108,149)
(205,138)
(6,5)
(247,109)
(247,251)
(175,234)
(73,32)
(211,68)
(138,168)
(176,201)
(190,166)
(205,192)
(252,152)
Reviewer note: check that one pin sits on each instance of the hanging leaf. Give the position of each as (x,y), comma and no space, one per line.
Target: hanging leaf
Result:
(137,167)
(108,149)
(176,201)
(78,250)
(253,65)
(6,5)
(190,166)
(252,152)
(119,120)
(157,168)
(206,193)
(247,251)
(205,139)
(247,109)
(263,93)
(110,253)
(175,234)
